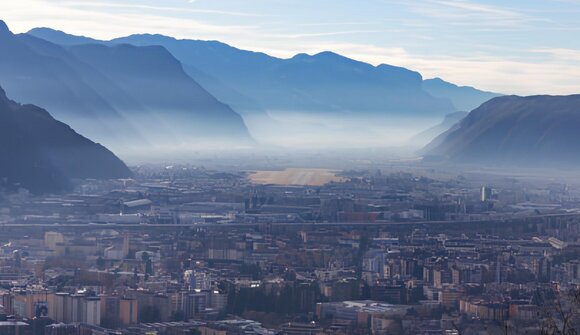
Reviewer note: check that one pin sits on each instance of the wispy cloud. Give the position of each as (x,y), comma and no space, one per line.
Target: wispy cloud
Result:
(334,33)
(106,24)
(173,10)
(477,8)
(469,13)
(342,24)
(560,54)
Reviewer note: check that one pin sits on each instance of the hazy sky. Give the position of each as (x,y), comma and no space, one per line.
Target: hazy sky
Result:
(521,47)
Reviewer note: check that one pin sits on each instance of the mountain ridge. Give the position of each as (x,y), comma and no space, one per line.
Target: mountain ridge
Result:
(274,82)
(513,130)
(323,95)
(42,154)
(93,97)
(464,98)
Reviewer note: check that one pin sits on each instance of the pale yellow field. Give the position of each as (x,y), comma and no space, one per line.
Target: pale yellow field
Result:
(295,176)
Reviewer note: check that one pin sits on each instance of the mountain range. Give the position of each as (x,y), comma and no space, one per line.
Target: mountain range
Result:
(148,91)
(318,83)
(123,96)
(324,91)
(144,91)
(325,82)
(511,130)
(42,154)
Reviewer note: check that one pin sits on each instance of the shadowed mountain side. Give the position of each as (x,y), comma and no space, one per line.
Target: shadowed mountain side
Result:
(204,59)
(464,98)
(42,154)
(151,76)
(51,80)
(511,130)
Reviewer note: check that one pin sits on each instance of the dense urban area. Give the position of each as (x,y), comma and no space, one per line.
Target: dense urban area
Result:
(189,250)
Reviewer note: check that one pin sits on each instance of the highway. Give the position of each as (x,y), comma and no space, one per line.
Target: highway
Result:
(87,226)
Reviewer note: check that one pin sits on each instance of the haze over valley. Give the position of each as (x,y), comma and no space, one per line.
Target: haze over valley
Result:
(154,97)
(160,94)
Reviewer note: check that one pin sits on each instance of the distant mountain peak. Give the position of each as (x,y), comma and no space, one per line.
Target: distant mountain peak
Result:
(154,36)
(329,54)
(399,69)
(323,56)
(45,29)
(60,37)
(4,30)
(301,55)
(148,38)
(440,81)
(464,98)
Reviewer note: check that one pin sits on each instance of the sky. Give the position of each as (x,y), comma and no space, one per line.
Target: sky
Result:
(512,47)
